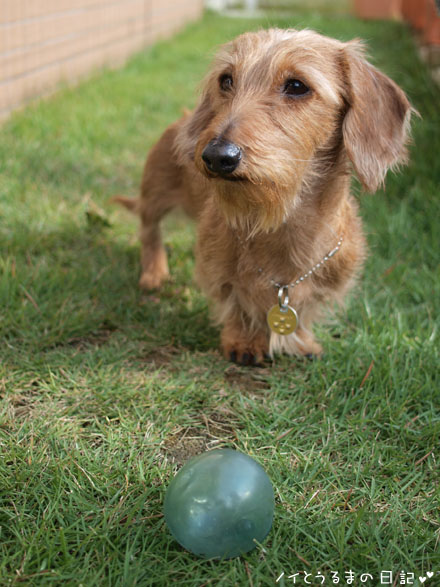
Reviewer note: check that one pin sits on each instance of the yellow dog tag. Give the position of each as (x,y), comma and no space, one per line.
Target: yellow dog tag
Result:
(282,320)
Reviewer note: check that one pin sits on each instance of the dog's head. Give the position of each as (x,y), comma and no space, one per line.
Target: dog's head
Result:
(281,112)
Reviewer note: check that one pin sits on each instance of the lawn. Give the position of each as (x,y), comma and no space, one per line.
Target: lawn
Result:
(105,391)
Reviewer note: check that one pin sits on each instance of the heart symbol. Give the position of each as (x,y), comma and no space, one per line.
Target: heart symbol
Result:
(429,574)
(422,579)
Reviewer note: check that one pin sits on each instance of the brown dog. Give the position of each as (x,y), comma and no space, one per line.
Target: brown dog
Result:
(264,163)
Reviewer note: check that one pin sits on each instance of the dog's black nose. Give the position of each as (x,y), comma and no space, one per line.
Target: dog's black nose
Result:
(221,156)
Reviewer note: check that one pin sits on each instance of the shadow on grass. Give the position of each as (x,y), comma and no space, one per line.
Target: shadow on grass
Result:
(76,286)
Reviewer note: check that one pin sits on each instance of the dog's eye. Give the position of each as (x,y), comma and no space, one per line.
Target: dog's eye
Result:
(225,81)
(295,87)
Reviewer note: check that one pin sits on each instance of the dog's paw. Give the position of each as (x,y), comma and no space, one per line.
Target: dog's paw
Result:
(155,270)
(309,348)
(246,358)
(149,281)
(313,356)
(251,353)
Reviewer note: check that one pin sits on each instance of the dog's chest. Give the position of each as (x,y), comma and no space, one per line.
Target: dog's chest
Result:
(263,263)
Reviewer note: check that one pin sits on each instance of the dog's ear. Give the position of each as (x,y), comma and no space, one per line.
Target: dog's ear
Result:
(376,124)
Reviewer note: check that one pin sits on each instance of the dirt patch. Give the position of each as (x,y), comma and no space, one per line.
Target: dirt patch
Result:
(161,356)
(211,431)
(182,445)
(95,339)
(247,379)
(20,403)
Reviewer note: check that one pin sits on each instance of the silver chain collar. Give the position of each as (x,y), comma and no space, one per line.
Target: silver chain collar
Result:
(281,318)
(324,260)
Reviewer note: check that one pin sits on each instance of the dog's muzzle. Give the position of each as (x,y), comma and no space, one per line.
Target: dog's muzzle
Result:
(221,157)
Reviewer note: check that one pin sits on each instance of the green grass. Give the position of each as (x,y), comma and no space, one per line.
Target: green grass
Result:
(104,390)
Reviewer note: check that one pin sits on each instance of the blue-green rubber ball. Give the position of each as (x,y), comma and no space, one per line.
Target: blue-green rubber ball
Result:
(219,504)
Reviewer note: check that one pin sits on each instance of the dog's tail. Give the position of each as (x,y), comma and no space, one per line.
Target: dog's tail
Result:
(132,204)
